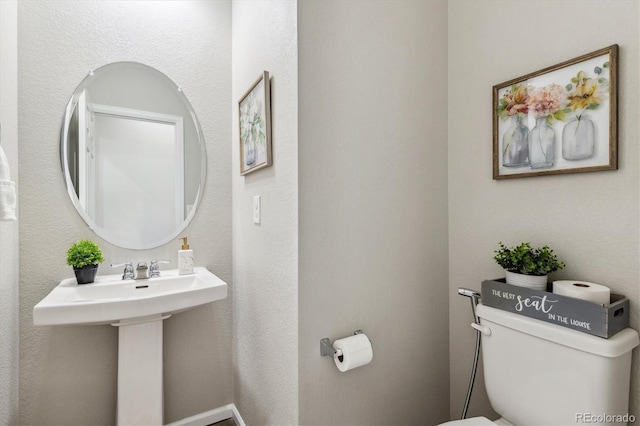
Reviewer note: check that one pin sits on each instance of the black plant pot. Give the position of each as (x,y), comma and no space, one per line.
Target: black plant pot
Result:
(86,274)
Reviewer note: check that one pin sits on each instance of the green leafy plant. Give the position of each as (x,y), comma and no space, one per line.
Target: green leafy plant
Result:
(83,253)
(524,259)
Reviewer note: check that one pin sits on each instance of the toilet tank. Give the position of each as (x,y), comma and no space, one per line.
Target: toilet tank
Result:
(538,373)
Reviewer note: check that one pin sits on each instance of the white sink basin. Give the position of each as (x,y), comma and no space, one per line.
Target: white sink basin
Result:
(113,300)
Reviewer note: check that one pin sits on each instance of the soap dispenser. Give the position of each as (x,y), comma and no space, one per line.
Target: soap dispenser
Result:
(185,258)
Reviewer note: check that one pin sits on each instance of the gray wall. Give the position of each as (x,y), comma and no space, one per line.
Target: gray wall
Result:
(590,219)
(9,239)
(68,374)
(373,208)
(265,256)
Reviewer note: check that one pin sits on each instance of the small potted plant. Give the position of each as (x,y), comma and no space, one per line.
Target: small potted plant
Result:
(84,256)
(527,266)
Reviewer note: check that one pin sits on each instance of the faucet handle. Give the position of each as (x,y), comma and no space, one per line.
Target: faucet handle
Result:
(154,268)
(128,269)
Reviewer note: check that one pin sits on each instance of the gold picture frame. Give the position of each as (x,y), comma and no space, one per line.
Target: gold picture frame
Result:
(561,119)
(254,121)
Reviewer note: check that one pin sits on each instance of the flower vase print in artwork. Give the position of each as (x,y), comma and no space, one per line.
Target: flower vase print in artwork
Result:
(513,106)
(562,119)
(255,126)
(545,104)
(585,94)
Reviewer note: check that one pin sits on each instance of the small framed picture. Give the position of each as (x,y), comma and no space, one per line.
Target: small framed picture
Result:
(561,119)
(255,126)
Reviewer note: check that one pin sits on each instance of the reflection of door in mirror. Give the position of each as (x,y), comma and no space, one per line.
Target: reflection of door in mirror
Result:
(81,156)
(139,167)
(85,183)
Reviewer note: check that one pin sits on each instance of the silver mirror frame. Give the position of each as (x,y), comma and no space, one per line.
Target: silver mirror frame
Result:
(64,135)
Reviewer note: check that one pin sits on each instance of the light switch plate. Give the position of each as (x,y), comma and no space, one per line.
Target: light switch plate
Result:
(256,209)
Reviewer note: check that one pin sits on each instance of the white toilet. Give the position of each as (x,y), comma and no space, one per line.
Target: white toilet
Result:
(538,373)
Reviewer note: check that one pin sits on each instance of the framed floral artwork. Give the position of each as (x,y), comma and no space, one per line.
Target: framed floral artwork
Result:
(255,126)
(562,119)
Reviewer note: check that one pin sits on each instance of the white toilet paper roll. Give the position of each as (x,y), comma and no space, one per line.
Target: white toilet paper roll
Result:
(592,292)
(353,352)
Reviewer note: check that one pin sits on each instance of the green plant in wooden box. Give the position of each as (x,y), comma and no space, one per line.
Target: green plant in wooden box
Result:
(527,266)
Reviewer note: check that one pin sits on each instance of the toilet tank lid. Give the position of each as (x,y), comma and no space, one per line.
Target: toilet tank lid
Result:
(618,344)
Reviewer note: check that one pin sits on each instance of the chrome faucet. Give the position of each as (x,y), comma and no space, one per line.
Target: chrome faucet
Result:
(154,268)
(142,271)
(128,270)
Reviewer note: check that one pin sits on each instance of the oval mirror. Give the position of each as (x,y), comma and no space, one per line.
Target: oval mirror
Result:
(133,155)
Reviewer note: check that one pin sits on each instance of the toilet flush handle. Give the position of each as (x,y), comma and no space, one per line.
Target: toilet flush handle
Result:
(482,328)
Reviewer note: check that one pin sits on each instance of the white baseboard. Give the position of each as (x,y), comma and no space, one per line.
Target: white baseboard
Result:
(236,416)
(212,416)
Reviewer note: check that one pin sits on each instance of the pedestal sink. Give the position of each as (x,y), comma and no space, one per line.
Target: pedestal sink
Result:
(137,308)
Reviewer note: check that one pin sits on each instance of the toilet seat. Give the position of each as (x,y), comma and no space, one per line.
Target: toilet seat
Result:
(474,421)
(478,421)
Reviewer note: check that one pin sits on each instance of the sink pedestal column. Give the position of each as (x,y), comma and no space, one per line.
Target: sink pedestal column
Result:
(140,393)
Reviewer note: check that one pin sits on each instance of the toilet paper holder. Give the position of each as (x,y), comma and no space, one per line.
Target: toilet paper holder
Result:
(326,348)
